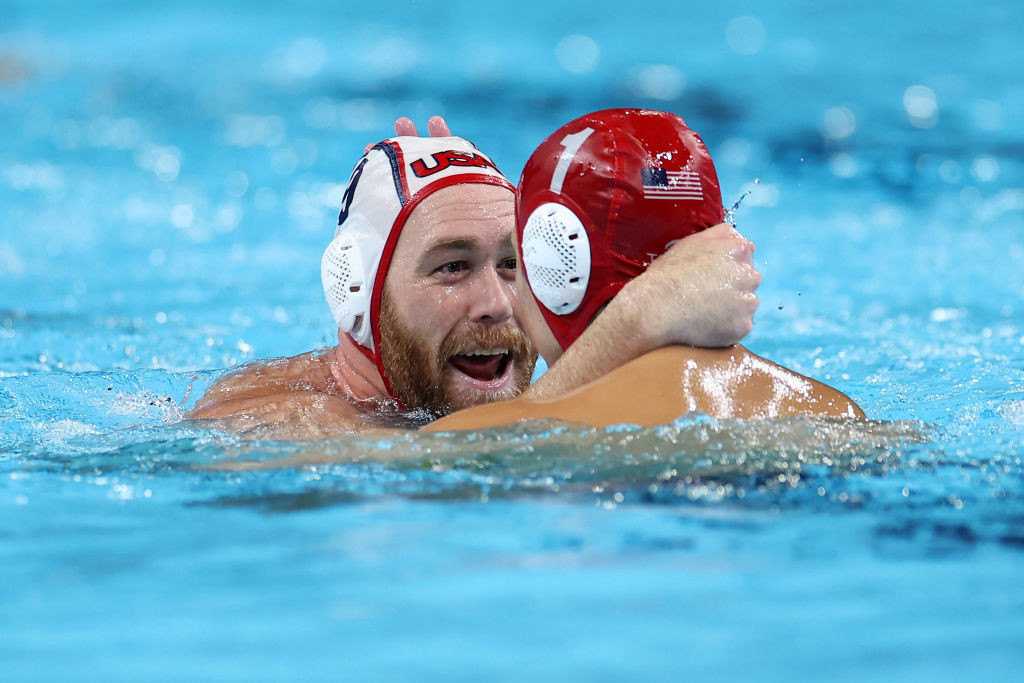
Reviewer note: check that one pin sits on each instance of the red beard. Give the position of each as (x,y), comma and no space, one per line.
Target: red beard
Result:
(421,377)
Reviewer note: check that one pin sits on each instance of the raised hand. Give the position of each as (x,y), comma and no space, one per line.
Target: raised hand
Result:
(436,127)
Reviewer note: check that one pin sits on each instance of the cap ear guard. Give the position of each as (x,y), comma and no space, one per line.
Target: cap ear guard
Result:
(556,254)
(347,271)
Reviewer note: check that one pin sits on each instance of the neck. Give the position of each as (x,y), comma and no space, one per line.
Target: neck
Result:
(357,376)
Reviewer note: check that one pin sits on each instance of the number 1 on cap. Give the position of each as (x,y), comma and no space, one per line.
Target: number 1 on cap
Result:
(572,144)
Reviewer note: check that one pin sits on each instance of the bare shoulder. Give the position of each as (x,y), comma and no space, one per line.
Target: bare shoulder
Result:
(265,381)
(802,395)
(288,415)
(735,382)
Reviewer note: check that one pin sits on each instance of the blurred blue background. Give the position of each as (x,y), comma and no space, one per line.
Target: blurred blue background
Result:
(169,174)
(172,170)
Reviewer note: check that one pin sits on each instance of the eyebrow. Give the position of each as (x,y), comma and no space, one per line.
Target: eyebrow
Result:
(461,244)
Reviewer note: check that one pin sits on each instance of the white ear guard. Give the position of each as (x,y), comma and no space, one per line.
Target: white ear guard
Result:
(347,271)
(556,253)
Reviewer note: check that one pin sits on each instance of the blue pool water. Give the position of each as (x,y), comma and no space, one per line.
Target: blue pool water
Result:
(170,172)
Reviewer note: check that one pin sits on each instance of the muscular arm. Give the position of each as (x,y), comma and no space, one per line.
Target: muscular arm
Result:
(665,384)
(698,293)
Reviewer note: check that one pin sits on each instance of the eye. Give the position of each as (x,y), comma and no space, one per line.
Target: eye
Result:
(452,267)
(509,264)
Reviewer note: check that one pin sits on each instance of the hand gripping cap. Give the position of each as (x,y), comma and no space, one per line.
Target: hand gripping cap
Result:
(600,199)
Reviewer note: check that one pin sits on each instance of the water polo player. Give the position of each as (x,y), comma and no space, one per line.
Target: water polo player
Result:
(598,202)
(420,279)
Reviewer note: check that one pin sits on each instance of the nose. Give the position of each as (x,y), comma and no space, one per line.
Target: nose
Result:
(490,298)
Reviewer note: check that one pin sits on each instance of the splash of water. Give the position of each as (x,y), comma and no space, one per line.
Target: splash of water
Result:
(694,458)
(730,215)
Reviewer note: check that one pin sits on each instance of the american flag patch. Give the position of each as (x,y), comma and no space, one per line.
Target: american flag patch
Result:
(662,184)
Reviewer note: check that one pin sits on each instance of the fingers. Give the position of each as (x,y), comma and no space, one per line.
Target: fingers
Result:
(721,231)
(754,278)
(438,127)
(720,239)
(745,278)
(741,279)
(743,252)
(405,126)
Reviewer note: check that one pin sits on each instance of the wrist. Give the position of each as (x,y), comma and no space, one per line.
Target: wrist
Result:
(632,313)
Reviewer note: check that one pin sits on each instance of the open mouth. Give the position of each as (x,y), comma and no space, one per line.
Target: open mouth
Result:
(483,365)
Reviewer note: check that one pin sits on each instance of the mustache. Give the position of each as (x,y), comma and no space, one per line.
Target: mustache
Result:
(509,337)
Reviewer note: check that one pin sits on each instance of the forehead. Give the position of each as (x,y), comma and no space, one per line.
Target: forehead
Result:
(483,214)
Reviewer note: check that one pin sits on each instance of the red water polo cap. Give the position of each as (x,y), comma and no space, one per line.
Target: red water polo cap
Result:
(600,199)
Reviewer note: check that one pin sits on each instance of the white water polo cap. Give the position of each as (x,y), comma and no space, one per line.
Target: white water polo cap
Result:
(387,183)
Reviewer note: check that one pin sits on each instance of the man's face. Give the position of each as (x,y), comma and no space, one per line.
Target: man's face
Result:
(449,336)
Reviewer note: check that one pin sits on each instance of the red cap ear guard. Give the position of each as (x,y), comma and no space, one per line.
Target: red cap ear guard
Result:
(635,181)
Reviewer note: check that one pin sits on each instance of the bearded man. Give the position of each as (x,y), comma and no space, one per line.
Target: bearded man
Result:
(421,281)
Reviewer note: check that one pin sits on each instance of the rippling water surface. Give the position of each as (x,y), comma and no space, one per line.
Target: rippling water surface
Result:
(169,173)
